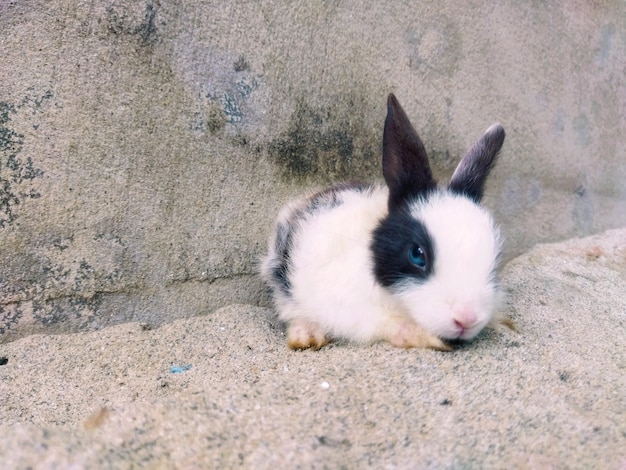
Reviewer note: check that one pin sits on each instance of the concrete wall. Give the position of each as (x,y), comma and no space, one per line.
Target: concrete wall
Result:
(146,146)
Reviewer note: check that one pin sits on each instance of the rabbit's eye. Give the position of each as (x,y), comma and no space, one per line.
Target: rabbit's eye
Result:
(417,256)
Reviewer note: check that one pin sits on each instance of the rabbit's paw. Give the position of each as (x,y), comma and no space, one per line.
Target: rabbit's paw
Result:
(403,332)
(305,334)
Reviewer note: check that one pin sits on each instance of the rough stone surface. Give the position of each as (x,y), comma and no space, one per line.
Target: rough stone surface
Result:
(223,391)
(146,146)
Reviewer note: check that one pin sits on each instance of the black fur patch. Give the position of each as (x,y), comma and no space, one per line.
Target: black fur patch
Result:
(329,198)
(390,246)
(280,273)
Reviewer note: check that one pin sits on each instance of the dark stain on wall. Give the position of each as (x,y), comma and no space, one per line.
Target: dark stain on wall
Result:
(15,170)
(241,64)
(147,29)
(67,296)
(76,312)
(320,145)
(10,315)
(226,87)
(119,22)
(216,118)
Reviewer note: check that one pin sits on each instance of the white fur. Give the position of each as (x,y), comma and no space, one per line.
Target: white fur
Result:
(332,280)
(462,287)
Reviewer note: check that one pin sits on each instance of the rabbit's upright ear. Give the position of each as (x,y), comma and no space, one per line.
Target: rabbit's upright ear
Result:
(471,173)
(405,163)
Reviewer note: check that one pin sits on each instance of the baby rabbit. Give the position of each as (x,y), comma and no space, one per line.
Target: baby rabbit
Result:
(408,263)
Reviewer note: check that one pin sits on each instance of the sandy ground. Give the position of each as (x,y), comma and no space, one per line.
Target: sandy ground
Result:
(223,391)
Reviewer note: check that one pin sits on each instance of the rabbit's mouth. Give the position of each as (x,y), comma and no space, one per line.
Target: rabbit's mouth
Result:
(460,336)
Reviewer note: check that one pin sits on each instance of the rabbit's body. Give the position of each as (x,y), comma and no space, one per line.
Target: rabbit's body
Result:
(336,289)
(407,262)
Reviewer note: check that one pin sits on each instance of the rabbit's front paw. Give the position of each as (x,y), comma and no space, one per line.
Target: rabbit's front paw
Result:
(403,332)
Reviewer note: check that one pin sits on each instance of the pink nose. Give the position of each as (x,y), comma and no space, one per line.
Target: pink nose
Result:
(465,319)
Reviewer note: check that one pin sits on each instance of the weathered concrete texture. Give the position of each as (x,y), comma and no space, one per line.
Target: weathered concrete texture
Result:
(145,147)
(550,395)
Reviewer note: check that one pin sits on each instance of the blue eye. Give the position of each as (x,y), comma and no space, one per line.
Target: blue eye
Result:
(417,256)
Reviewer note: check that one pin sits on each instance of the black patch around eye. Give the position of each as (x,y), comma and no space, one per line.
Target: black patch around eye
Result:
(394,238)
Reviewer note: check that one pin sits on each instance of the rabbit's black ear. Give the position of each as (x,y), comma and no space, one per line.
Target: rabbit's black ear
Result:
(405,164)
(471,173)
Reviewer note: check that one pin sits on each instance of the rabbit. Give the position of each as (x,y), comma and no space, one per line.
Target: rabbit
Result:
(409,263)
